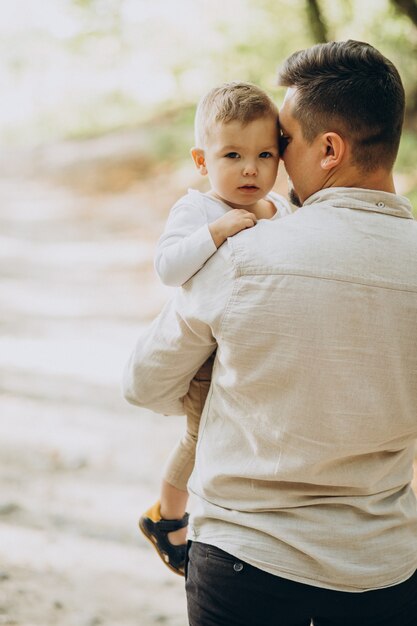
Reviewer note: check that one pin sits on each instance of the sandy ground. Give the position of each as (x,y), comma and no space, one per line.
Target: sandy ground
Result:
(78,464)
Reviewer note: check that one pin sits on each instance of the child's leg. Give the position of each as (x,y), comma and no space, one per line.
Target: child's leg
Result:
(173,506)
(173,501)
(174,496)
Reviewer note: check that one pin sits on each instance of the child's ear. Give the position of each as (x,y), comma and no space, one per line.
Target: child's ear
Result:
(200,162)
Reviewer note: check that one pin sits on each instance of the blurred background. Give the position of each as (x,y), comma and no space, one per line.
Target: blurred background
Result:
(96,122)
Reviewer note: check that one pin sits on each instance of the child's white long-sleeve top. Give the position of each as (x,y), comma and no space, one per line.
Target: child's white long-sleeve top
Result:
(186,243)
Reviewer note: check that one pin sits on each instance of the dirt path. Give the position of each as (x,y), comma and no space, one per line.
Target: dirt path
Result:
(77,463)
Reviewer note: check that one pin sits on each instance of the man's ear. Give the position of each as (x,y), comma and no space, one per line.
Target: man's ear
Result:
(197,155)
(334,149)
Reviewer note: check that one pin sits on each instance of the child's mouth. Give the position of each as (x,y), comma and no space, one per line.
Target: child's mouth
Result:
(249,188)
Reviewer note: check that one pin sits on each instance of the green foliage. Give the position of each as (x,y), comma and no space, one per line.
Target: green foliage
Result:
(405,165)
(113,111)
(175,52)
(406,161)
(412,196)
(255,53)
(172,135)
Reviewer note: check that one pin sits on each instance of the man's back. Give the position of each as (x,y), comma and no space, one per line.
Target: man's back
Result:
(307,439)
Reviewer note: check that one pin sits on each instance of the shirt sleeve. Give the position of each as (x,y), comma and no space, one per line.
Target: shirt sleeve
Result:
(170,352)
(185,245)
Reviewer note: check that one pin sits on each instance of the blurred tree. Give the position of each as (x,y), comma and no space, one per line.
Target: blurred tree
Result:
(408,7)
(317,21)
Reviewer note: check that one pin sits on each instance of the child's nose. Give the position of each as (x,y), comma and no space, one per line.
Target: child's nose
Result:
(250,169)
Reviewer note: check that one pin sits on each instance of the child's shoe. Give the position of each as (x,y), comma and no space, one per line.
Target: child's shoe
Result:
(156,531)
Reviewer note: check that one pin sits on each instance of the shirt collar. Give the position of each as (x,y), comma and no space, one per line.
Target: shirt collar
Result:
(363,199)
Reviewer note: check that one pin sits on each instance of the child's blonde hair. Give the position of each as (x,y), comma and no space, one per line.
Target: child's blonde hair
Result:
(235,101)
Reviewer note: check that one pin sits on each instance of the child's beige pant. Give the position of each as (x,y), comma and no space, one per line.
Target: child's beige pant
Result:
(181,460)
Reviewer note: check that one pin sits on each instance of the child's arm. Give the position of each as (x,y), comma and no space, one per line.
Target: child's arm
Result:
(189,241)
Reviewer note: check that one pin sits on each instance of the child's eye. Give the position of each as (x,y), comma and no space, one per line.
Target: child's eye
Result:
(283,143)
(266,155)
(232,155)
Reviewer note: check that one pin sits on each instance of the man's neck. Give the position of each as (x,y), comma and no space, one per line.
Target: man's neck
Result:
(379,180)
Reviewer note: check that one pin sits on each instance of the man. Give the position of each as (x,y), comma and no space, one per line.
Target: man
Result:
(302,504)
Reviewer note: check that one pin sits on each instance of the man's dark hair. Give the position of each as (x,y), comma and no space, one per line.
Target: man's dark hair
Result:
(350,88)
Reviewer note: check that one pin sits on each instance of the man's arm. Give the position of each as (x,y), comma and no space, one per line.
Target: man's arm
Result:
(179,341)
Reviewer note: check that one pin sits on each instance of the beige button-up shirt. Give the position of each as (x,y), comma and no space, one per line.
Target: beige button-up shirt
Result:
(306,442)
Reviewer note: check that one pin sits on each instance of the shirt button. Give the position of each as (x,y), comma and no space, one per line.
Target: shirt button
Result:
(380,205)
(238,567)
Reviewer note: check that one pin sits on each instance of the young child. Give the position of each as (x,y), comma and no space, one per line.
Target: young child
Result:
(236,135)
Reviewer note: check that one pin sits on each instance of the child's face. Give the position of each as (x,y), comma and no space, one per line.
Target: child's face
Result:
(242,161)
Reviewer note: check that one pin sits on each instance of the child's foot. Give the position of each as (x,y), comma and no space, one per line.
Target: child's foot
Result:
(157,530)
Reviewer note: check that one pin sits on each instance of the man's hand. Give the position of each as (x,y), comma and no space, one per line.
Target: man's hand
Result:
(229,224)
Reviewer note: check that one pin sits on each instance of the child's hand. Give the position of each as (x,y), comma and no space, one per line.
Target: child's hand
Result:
(231,223)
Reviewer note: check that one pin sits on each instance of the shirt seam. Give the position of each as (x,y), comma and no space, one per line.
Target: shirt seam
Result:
(234,291)
(391,212)
(248,271)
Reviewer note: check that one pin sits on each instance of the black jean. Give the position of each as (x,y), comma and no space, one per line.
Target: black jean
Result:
(223,591)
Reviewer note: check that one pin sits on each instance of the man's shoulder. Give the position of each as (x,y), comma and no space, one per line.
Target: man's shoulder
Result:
(208,292)
(259,245)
